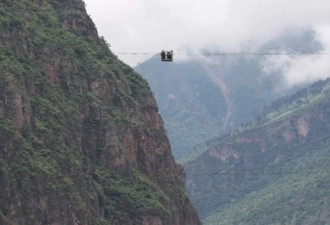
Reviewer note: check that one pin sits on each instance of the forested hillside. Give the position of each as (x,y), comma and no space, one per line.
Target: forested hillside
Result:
(274,170)
(81,141)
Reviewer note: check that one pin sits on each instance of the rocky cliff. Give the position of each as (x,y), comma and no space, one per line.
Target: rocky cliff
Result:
(273,171)
(81,141)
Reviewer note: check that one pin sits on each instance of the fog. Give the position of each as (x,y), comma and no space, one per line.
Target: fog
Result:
(146,27)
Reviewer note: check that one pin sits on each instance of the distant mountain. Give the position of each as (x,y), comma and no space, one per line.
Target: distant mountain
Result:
(200,100)
(190,103)
(202,97)
(294,40)
(274,170)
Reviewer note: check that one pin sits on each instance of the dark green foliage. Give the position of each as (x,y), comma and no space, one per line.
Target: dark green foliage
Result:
(300,97)
(136,193)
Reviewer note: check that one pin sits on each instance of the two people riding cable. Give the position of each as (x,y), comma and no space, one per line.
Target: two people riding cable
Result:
(167,56)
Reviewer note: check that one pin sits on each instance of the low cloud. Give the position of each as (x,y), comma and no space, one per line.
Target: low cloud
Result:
(305,68)
(148,26)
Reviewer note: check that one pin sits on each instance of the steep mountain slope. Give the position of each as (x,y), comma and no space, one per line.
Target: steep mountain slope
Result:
(81,141)
(273,171)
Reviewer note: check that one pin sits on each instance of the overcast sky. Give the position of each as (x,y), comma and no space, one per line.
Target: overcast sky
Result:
(148,26)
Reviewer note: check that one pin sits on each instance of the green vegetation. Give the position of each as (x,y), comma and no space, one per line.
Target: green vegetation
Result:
(272,171)
(75,143)
(137,193)
(299,196)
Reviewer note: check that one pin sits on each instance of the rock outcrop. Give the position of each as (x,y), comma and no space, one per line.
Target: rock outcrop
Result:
(81,140)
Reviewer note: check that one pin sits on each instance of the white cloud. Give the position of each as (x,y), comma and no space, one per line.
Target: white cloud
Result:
(307,69)
(298,69)
(303,69)
(152,25)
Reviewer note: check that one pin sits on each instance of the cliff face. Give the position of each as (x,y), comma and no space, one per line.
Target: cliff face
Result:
(81,141)
(265,172)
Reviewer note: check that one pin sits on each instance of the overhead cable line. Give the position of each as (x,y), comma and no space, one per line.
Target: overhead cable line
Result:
(134,53)
(229,53)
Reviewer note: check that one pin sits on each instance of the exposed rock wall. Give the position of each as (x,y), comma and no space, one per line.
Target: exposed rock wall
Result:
(81,140)
(244,162)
